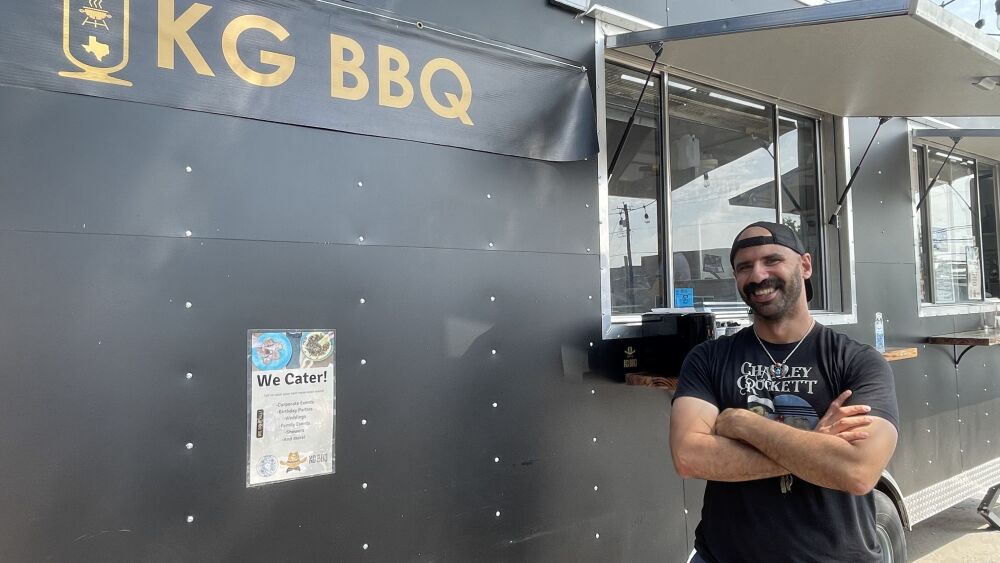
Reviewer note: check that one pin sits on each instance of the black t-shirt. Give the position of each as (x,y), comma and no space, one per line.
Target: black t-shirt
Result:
(755,521)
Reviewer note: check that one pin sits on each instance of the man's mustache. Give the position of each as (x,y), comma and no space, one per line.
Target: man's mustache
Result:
(769,283)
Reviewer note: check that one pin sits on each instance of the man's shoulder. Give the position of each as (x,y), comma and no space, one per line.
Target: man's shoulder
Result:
(845,347)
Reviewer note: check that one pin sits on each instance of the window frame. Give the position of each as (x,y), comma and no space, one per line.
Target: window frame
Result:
(833,152)
(918,160)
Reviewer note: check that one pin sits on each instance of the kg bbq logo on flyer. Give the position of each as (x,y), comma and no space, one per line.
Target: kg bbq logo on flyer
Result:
(291,418)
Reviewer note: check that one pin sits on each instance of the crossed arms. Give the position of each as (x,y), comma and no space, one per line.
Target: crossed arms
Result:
(847,451)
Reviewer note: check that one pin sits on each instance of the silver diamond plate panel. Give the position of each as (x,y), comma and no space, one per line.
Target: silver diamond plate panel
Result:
(925,503)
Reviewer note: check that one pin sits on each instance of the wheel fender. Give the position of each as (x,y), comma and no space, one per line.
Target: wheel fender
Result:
(888,485)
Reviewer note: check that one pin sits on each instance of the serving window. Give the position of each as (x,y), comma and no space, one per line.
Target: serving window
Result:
(700,163)
(956,225)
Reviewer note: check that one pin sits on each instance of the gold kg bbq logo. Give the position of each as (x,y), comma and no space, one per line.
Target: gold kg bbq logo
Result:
(95,39)
(630,360)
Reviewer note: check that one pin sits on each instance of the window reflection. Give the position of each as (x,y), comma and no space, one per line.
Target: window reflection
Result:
(987,208)
(953,244)
(721,179)
(800,201)
(633,192)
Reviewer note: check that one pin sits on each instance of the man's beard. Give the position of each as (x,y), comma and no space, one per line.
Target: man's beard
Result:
(786,298)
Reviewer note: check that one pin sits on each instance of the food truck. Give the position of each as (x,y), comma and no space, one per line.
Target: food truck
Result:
(380,281)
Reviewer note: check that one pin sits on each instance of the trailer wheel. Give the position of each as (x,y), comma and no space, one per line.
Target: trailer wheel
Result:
(889,529)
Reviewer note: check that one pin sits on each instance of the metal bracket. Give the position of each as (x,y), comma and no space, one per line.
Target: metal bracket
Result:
(959,358)
(835,217)
(984,507)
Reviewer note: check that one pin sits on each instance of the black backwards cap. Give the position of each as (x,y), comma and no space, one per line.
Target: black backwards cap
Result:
(780,234)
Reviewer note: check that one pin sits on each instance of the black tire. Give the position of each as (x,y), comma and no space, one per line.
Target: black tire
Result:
(889,529)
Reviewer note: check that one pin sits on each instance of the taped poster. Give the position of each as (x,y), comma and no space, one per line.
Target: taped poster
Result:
(291,397)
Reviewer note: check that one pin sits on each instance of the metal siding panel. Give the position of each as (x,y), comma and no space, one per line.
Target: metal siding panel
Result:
(883,226)
(263,181)
(99,271)
(979,407)
(110,350)
(533,23)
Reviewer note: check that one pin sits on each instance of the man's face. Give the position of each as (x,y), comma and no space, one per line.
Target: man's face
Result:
(769,277)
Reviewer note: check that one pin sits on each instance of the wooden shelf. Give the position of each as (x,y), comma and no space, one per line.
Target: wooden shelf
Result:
(894,354)
(970,339)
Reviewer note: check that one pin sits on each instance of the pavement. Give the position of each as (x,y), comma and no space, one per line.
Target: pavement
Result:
(957,535)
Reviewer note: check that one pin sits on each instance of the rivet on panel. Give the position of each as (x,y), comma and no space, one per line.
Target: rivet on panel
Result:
(597,536)
(595,487)
(364,362)
(879,172)
(188,233)
(495,405)
(187,169)
(190,518)
(188,305)
(492,245)
(361,184)
(489,196)
(493,298)
(365,547)
(361,239)
(496,460)
(593,391)
(189,446)
(928,430)
(189,375)
(588,250)
(362,301)
(364,485)
(595,439)
(498,513)
(591,297)
(493,352)
(364,422)
(685,511)
(588,206)
(930,461)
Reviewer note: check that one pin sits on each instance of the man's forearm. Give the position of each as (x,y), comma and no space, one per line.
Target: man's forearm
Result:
(820,459)
(718,458)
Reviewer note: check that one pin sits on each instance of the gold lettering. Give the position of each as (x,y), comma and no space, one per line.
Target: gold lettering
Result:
(340,65)
(230,37)
(459,108)
(175,31)
(387,76)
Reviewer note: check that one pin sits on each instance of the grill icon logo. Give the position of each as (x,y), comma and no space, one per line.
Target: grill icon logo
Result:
(95,39)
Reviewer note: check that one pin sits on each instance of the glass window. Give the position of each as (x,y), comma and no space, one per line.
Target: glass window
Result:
(732,160)
(798,148)
(634,192)
(721,179)
(951,223)
(922,249)
(988,220)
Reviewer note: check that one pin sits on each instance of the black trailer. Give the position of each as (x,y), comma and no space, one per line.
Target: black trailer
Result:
(394,233)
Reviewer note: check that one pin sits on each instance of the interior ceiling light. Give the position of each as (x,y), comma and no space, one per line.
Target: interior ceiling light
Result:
(987,83)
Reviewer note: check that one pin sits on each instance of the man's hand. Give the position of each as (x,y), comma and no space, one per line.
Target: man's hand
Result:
(843,422)
(728,423)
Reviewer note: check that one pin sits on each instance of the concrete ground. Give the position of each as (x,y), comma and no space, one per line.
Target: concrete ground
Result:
(957,535)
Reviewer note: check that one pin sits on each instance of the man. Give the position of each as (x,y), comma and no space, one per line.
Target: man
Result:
(784,484)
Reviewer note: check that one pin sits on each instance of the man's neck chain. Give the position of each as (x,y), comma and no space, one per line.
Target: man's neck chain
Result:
(780,369)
